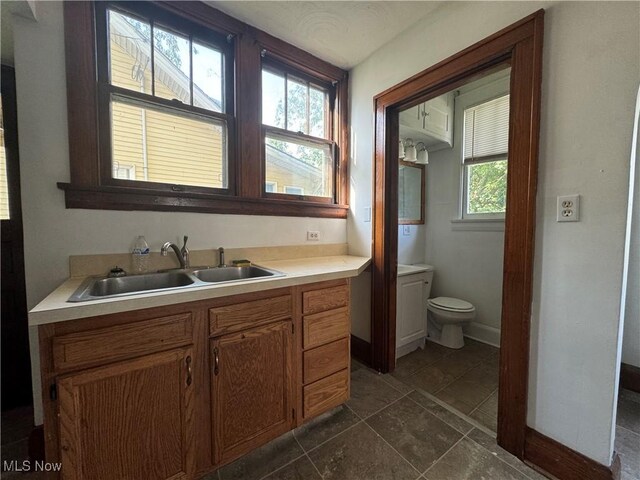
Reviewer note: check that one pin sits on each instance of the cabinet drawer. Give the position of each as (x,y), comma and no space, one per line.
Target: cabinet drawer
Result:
(119,342)
(239,316)
(325,360)
(326,393)
(324,327)
(315,301)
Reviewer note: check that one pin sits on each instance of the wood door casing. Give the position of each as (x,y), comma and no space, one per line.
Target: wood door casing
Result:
(129,420)
(252,388)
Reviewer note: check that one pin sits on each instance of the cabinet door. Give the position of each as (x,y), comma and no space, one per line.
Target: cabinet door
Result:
(438,118)
(129,420)
(411,309)
(412,117)
(252,389)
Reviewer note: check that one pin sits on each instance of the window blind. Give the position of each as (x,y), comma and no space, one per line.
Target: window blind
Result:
(486,130)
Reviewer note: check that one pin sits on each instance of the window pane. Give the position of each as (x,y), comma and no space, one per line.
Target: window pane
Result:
(297,106)
(487,187)
(171,65)
(157,145)
(317,105)
(129,52)
(4,188)
(273,99)
(207,78)
(297,166)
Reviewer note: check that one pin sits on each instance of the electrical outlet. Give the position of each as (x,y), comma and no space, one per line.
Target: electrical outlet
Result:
(313,235)
(568,208)
(406,230)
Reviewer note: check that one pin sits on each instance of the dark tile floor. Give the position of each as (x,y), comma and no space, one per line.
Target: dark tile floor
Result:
(628,434)
(15,427)
(465,379)
(387,430)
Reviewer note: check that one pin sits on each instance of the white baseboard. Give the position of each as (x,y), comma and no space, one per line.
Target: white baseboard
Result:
(409,347)
(483,333)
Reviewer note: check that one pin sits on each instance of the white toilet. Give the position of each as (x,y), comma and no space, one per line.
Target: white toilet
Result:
(445,318)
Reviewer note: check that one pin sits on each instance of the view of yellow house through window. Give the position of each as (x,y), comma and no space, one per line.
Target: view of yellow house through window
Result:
(160,144)
(4,190)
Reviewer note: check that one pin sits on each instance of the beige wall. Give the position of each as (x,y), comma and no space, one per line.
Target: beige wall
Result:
(591,70)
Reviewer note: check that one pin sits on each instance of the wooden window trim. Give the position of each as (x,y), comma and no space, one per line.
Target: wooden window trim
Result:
(87,187)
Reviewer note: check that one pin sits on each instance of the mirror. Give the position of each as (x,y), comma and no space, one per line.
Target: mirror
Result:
(410,193)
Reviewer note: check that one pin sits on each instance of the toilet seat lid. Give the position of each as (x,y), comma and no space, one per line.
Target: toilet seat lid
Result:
(449,303)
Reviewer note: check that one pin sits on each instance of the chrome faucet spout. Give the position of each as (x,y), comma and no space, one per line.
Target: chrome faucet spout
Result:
(165,249)
(221,259)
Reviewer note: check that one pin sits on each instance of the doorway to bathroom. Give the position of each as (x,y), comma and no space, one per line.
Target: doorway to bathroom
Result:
(516,50)
(452,190)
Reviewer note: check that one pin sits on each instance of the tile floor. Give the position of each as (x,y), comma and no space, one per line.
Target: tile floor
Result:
(628,434)
(465,379)
(387,430)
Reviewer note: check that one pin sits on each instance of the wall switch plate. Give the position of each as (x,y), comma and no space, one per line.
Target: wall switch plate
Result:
(568,208)
(406,230)
(367,214)
(313,235)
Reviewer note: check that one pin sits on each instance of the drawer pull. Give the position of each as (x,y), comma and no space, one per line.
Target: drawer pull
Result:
(216,362)
(189,370)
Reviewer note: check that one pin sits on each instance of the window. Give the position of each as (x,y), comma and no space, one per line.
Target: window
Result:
(163,91)
(485,159)
(296,119)
(164,113)
(271,187)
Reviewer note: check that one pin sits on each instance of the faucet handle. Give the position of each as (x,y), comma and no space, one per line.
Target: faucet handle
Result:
(184,240)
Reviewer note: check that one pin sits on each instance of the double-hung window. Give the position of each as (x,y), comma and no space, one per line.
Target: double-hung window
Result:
(165,99)
(176,106)
(485,159)
(297,124)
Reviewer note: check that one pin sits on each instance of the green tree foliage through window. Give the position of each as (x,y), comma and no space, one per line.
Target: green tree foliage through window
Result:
(487,187)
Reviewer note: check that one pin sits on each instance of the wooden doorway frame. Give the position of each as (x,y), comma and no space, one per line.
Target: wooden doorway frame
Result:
(520,46)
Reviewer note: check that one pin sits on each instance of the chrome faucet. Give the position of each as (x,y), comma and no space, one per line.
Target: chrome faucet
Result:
(221,258)
(181,253)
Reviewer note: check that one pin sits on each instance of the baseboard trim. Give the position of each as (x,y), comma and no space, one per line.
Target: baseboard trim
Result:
(483,333)
(361,350)
(630,377)
(564,463)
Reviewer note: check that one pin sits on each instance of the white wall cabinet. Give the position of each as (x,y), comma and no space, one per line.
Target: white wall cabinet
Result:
(411,313)
(430,122)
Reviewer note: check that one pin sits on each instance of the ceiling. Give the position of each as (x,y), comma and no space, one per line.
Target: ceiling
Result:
(342,33)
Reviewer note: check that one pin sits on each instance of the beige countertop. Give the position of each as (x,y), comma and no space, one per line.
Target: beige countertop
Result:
(56,308)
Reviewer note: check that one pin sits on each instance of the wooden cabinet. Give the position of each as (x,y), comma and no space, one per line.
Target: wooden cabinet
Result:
(129,420)
(430,122)
(323,347)
(252,388)
(175,392)
(411,313)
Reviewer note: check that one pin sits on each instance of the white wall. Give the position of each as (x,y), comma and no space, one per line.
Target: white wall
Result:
(591,70)
(51,232)
(631,340)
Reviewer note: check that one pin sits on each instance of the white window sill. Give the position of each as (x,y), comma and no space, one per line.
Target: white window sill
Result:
(478,224)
